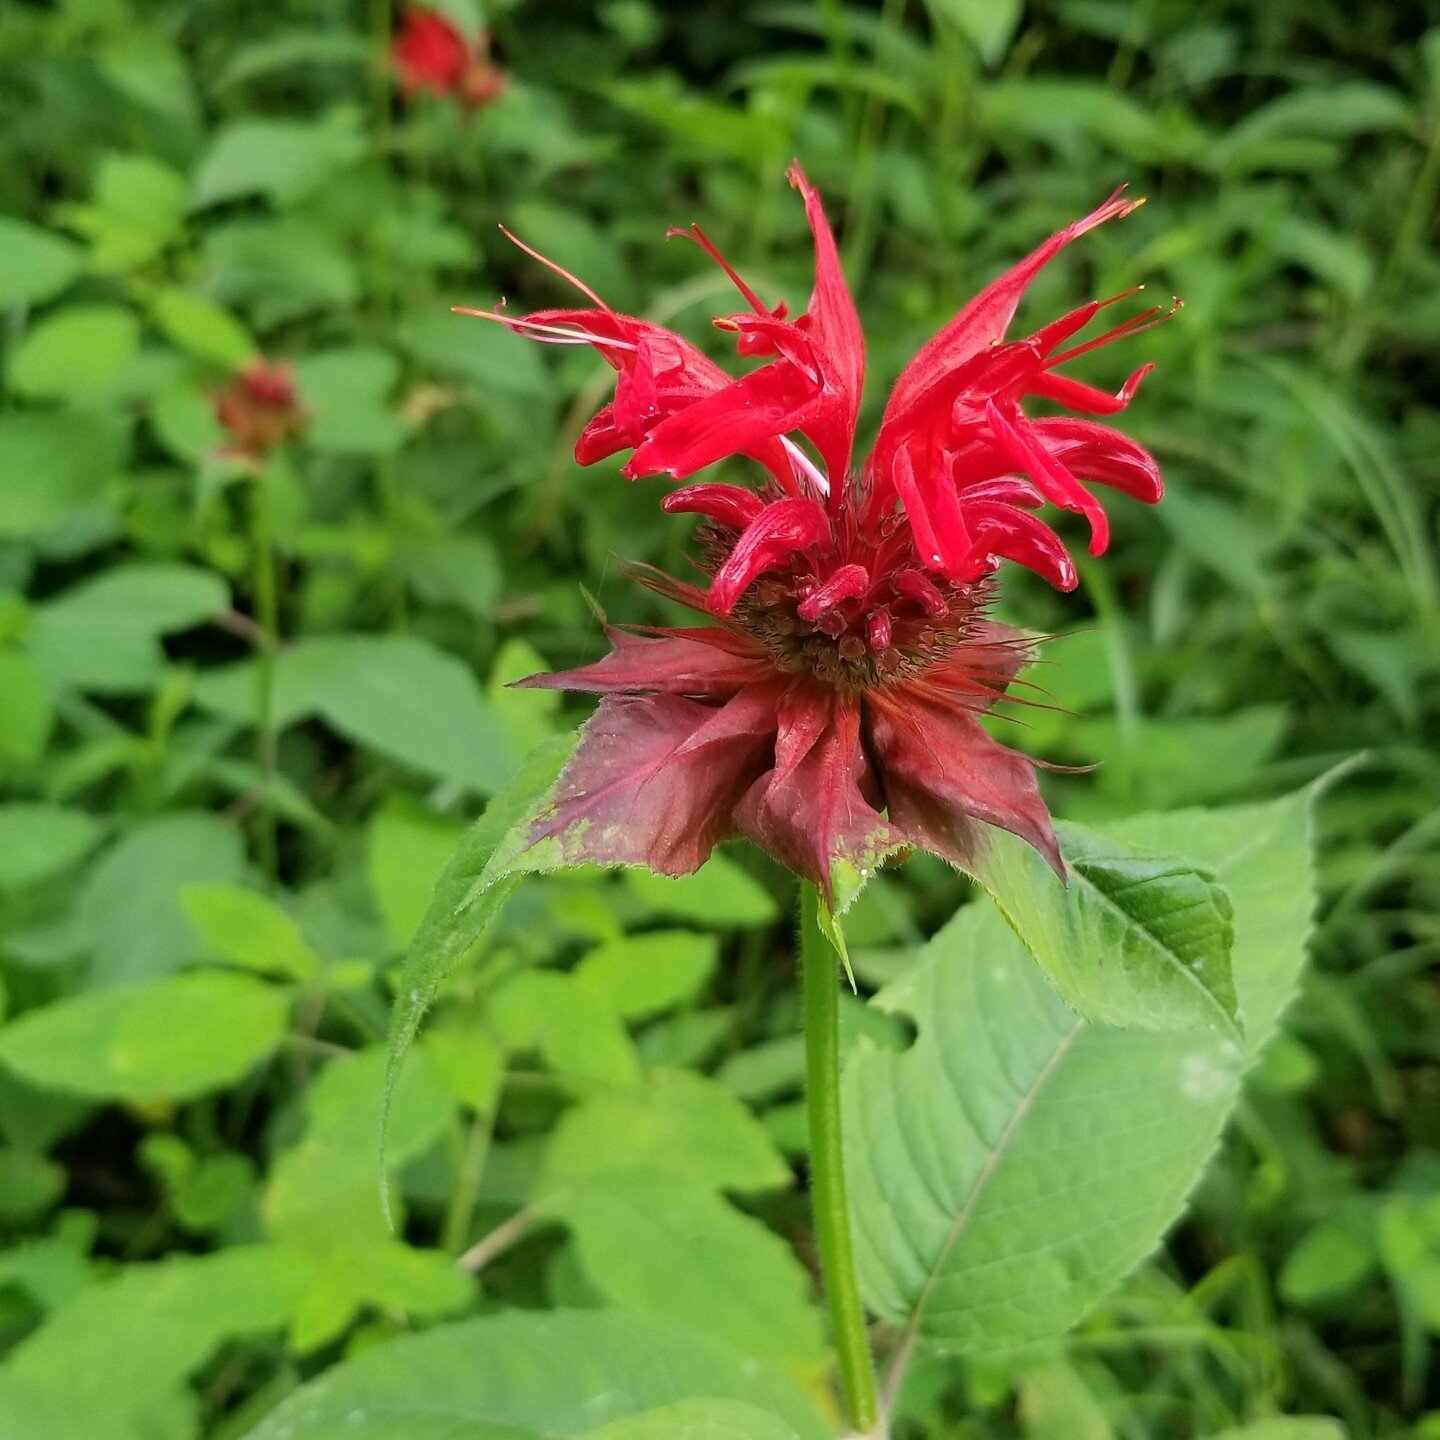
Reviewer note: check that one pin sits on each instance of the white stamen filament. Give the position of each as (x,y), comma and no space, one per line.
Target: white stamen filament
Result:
(803,463)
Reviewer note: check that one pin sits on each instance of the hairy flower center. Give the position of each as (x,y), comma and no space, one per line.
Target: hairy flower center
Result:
(853,613)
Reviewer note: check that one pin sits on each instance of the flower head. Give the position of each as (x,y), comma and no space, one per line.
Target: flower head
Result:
(260,410)
(431,55)
(830,707)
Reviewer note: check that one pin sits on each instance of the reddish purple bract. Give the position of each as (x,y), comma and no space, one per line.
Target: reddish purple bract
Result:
(829,709)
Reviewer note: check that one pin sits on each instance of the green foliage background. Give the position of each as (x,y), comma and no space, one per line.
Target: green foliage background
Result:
(191,1059)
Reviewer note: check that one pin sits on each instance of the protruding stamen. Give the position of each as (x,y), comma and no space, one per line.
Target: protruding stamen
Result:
(559,270)
(1136,325)
(700,238)
(545,334)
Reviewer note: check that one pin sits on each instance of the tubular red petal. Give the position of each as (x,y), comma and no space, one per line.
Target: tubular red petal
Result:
(1055,482)
(1020,536)
(1005,490)
(1076,395)
(918,587)
(987,317)
(849,582)
(1096,452)
(783,528)
(834,326)
(727,504)
(927,542)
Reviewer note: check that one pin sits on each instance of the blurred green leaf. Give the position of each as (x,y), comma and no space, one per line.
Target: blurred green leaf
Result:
(644,975)
(74,353)
(698,1420)
(525,1376)
(104,634)
(28,713)
(39,841)
(672,1248)
(53,463)
(248,930)
(677,1122)
(35,265)
(130,915)
(175,1037)
(283,160)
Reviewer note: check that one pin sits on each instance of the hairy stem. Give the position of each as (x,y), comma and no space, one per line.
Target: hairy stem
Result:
(821,982)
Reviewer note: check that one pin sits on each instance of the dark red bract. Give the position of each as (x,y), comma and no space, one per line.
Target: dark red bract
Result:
(430,55)
(830,708)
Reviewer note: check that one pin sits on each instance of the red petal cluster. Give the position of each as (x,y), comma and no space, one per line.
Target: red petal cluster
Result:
(430,55)
(260,410)
(830,712)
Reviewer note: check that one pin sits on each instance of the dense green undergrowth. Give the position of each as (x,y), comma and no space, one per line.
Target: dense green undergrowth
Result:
(205,897)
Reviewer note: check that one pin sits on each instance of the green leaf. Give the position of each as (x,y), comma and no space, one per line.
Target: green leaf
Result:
(321,1190)
(1016,1162)
(201,328)
(1286,1427)
(520,1376)
(284,160)
(73,353)
(35,265)
(130,916)
(104,633)
(475,884)
(453,569)
(671,1247)
(720,892)
(989,25)
(407,846)
(28,714)
(676,1121)
(396,694)
(577,1032)
(641,976)
(698,1420)
(114,1363)
(53,464)
(1135,939)
(245,928)
(176,1037)
(346,393)
(38,841)
(137,210)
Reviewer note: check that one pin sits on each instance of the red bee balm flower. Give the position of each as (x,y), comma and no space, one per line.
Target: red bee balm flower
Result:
(260,410)
(430,54)
(829,709)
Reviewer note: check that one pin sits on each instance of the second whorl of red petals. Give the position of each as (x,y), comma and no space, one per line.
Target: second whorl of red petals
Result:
(956,457)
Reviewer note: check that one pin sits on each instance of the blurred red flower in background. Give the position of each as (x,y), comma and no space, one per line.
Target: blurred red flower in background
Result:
(260,410)
(431,55)
(829,709)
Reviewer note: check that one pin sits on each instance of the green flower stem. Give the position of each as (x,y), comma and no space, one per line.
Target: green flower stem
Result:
(821,982)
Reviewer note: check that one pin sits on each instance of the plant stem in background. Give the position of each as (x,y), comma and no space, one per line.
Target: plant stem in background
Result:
(820,968)
(262,543)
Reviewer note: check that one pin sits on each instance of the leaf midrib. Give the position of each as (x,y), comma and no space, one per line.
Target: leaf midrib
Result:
(1228,1021)
(957,1229)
